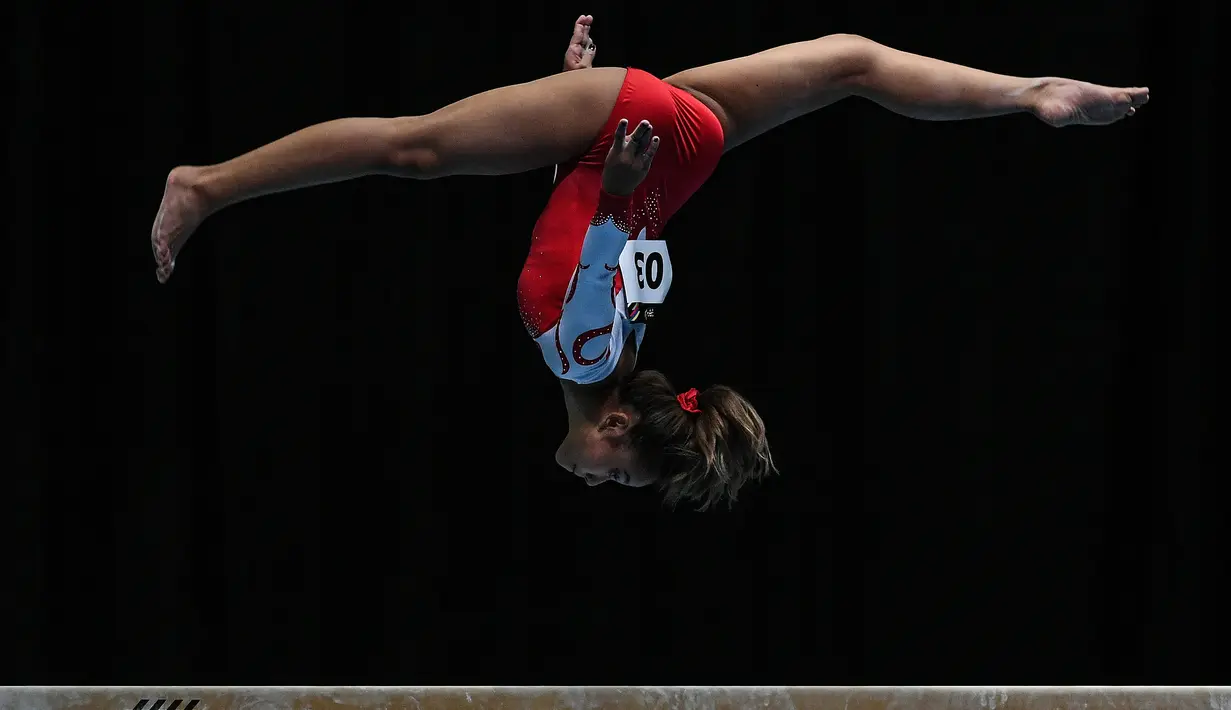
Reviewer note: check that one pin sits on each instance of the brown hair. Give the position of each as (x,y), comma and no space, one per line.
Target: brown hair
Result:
(702,457)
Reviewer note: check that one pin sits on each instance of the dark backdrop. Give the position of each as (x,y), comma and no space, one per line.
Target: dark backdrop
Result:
(323,453)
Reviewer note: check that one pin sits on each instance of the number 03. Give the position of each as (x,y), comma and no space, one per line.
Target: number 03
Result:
(649,270)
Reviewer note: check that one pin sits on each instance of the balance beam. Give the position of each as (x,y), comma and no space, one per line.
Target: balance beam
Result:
(615,698)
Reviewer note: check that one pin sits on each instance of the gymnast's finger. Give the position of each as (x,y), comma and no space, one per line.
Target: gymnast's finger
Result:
(650,151)
(621,132)
(642,134)
(581,29)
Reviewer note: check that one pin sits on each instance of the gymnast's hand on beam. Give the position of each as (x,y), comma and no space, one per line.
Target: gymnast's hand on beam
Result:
(628,161)
(1064,102)
(581,49)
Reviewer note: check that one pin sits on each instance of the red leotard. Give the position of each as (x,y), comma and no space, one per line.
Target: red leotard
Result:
(571,306)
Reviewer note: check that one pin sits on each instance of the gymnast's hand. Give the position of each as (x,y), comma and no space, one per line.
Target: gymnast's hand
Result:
(1064,102)
(628,161)
(581,49)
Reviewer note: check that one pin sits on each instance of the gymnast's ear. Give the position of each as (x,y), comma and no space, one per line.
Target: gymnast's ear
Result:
(615,423)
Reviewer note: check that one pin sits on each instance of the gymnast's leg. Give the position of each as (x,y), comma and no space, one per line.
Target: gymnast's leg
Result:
(753,94)
(502,131)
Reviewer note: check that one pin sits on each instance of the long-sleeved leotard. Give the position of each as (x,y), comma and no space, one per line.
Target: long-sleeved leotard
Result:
(593,325)
(571,294)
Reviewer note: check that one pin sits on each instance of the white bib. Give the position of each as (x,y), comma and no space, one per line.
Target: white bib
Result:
(645,266)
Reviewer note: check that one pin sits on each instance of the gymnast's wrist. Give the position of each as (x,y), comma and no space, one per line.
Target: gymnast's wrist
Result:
(615,207)
(616,190)
(615,199)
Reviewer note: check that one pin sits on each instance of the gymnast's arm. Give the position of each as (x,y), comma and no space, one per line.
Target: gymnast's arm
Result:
(586,321)
(589,306)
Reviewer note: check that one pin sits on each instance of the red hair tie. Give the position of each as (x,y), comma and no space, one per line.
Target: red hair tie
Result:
(688,401)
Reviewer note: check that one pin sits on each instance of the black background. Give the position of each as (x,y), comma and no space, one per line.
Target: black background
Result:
(323,453)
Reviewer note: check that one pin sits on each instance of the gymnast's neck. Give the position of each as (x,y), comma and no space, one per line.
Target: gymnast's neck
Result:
(586,402)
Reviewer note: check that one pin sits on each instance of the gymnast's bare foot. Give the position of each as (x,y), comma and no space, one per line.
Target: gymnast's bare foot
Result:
(183,209)
(1064,102)
(581,49)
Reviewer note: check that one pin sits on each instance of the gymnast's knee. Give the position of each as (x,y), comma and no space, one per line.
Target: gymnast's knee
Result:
(410,151)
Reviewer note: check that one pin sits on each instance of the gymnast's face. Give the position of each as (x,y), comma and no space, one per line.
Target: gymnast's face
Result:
(600,452)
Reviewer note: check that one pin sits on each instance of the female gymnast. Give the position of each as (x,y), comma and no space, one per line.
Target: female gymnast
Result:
(601,227)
